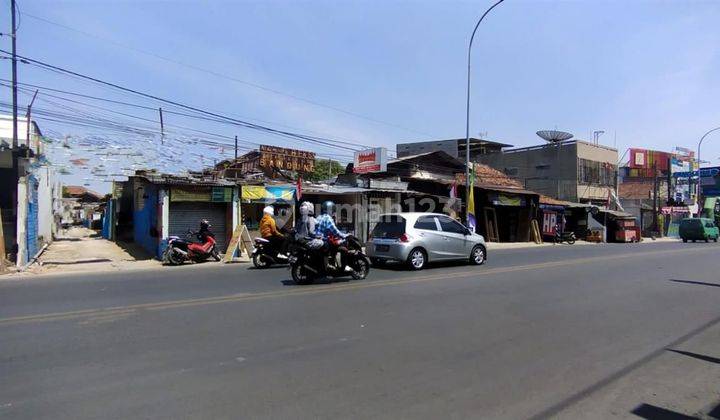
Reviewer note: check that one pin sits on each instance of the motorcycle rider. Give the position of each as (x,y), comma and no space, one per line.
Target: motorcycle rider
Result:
(204,231)
(325,224)
(270,232)
(305,226)
(325,228)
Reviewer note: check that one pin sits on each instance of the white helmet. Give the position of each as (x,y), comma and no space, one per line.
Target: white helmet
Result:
(269,210)
(307,208)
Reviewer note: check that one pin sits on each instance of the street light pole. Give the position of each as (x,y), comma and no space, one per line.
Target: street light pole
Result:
(467,114)
(698,189)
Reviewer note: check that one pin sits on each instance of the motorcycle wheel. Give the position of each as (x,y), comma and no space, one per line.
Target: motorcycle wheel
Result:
(300,275)
(170,259)
(215,255)
(260,262)
(360,268)
(571,241)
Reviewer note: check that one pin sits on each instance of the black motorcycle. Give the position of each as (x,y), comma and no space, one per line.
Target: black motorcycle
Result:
(568,237)
(264,254)
(335,258)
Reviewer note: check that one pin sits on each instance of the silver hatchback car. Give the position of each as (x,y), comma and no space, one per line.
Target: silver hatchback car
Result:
(416,238)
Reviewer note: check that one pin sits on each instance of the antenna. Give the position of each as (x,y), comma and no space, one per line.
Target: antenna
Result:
(554,136)
(596,136)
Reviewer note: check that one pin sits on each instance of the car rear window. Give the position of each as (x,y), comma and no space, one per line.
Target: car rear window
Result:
(391,227)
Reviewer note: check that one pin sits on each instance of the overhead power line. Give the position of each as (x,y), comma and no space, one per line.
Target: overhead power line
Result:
(151,108)
(227,77)
(311,139)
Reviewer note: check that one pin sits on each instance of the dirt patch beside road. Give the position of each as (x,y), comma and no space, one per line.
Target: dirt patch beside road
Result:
(81,250)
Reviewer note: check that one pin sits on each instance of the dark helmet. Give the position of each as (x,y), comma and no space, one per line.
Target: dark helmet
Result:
(327,207)
(205,225)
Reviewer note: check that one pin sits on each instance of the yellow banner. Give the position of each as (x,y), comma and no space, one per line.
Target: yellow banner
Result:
(182,194)
(253,192)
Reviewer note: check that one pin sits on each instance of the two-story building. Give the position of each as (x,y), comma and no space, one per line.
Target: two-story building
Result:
(571,170)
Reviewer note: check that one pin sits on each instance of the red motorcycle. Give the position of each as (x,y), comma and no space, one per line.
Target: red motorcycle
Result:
(180,250)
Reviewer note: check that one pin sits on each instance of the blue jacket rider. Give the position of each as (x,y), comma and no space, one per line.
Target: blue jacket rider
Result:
(325,225)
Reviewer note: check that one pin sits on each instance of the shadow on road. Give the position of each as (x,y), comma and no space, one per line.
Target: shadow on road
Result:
(398,266)
(653,412)
(701,283)
(698,356)
(325,280)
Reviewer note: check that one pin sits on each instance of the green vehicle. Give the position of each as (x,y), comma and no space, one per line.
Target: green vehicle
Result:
(698,229)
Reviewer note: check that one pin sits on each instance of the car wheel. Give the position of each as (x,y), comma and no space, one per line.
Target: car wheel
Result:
(417,259)
(477,256)
(707,240)
(684,240)
(715,239)
(693,240)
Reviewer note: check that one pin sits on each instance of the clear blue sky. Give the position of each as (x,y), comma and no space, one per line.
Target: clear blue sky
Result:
(648,71)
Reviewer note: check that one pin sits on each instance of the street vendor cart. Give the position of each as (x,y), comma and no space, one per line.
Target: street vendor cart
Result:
(626,230)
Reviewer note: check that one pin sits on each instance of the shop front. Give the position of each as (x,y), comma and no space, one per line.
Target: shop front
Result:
(191,204)
(506,214)
(254,198)
(152,207)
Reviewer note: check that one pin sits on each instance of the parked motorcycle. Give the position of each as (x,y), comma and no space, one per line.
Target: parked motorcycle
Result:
(180,250)
(336,258)
(568,237)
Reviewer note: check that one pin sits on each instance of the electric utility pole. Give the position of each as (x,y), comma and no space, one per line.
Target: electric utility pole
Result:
(14,75)
(655,198)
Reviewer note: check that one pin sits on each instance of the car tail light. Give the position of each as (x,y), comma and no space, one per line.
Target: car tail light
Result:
(405,237)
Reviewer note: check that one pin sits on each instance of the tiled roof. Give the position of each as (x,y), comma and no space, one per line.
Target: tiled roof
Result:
(77,190)
(487,176)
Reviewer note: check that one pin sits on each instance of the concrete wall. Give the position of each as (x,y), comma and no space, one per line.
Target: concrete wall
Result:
(597,153)
(21,222)
(552,169)
(49,192)
(547,169)
(408,149)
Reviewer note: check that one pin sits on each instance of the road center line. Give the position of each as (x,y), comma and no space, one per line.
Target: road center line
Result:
(333,288)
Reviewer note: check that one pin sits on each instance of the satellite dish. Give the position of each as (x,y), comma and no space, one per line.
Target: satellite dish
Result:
(554,136)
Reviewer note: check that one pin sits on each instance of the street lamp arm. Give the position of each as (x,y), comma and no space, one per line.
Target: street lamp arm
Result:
(467,113)
(472,37)
(703,138)
(699,189)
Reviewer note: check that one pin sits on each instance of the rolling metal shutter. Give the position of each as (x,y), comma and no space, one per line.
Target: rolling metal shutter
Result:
(187,215)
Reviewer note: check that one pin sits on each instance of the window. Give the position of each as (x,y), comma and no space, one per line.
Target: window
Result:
(389,227)
(597,173)
(511,171)
(449,225)
(426,223)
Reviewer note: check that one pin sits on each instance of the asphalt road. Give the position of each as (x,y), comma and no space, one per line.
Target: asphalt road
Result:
(526,335)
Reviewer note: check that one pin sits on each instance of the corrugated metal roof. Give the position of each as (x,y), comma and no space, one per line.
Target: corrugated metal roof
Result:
(165,179)
(333,189)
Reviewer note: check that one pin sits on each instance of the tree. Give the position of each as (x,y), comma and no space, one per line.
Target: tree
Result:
(324,169)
